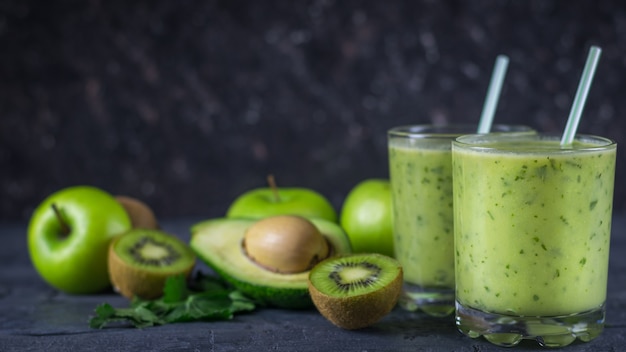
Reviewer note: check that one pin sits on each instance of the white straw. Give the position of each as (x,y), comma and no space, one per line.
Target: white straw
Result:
(581,96)
(493,94)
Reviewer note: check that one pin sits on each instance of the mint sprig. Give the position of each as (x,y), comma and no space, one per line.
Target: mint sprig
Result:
(206,299)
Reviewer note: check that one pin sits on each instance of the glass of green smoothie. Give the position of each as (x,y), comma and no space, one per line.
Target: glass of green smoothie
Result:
(532,231)
(420,168)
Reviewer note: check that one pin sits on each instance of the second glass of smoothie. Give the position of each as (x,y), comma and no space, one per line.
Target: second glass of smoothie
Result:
(420,170)
(532,232)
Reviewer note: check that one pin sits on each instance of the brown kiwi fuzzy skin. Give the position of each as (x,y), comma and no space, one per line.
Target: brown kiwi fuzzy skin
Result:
(358,312)
(132,282)
(140,214)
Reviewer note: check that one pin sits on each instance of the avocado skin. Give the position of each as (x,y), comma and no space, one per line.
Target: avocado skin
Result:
(291,298)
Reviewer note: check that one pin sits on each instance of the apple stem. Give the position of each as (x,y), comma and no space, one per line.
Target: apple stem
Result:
(272,182)
(65,229)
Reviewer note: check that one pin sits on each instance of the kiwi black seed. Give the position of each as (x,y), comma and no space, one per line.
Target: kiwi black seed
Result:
(142,259)
(356,290)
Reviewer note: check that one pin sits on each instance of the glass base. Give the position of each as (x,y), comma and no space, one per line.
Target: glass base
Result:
(434,302)
(509,330)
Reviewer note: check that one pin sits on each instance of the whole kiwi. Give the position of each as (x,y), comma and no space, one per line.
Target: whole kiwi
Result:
(142,259)
(355,290)
(140,214)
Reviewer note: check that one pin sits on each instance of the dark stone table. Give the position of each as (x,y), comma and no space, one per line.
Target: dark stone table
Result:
(35,317)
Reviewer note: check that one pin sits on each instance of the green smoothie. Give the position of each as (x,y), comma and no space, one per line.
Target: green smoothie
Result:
(423,218)
(420,170)
(532,225)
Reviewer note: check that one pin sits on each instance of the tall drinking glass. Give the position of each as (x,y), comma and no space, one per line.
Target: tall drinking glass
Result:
(420,168)
(532,231)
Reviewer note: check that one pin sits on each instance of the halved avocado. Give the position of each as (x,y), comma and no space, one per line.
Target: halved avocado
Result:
(217,242)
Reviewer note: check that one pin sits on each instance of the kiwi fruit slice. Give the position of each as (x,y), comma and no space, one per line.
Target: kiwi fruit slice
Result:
(356,290)
(142,259)
(140,214)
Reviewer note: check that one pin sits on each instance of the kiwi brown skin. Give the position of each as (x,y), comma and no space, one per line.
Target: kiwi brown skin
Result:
(140,214)
(131,281)
(357,312)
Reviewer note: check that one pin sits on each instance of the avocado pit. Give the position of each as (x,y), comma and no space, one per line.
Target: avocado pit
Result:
(285,244)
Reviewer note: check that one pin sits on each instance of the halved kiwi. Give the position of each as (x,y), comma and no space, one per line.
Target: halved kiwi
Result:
(356,290)
(142,259)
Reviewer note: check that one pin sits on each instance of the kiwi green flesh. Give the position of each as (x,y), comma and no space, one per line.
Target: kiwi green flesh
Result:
(354,275)
(217,242)
(364,304)
(153,250)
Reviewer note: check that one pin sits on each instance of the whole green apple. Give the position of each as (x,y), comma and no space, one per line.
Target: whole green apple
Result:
(264,202)
(69,235)
(366,216)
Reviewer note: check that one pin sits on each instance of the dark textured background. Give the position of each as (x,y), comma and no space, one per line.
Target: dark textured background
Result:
(186,104)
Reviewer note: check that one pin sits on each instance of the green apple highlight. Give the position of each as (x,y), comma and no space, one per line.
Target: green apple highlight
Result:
(366,216)
(68,247)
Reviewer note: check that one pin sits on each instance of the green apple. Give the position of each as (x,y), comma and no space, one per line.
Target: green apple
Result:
(264,202)
(69,235)
(366,216)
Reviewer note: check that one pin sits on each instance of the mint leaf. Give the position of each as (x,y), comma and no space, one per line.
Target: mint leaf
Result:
(240,302)
(104,313)
(138,316)
(175,289)
(217,304)
(210,299)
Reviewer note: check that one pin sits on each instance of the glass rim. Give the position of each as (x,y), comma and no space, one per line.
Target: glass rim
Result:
(465,142)
(449,130)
